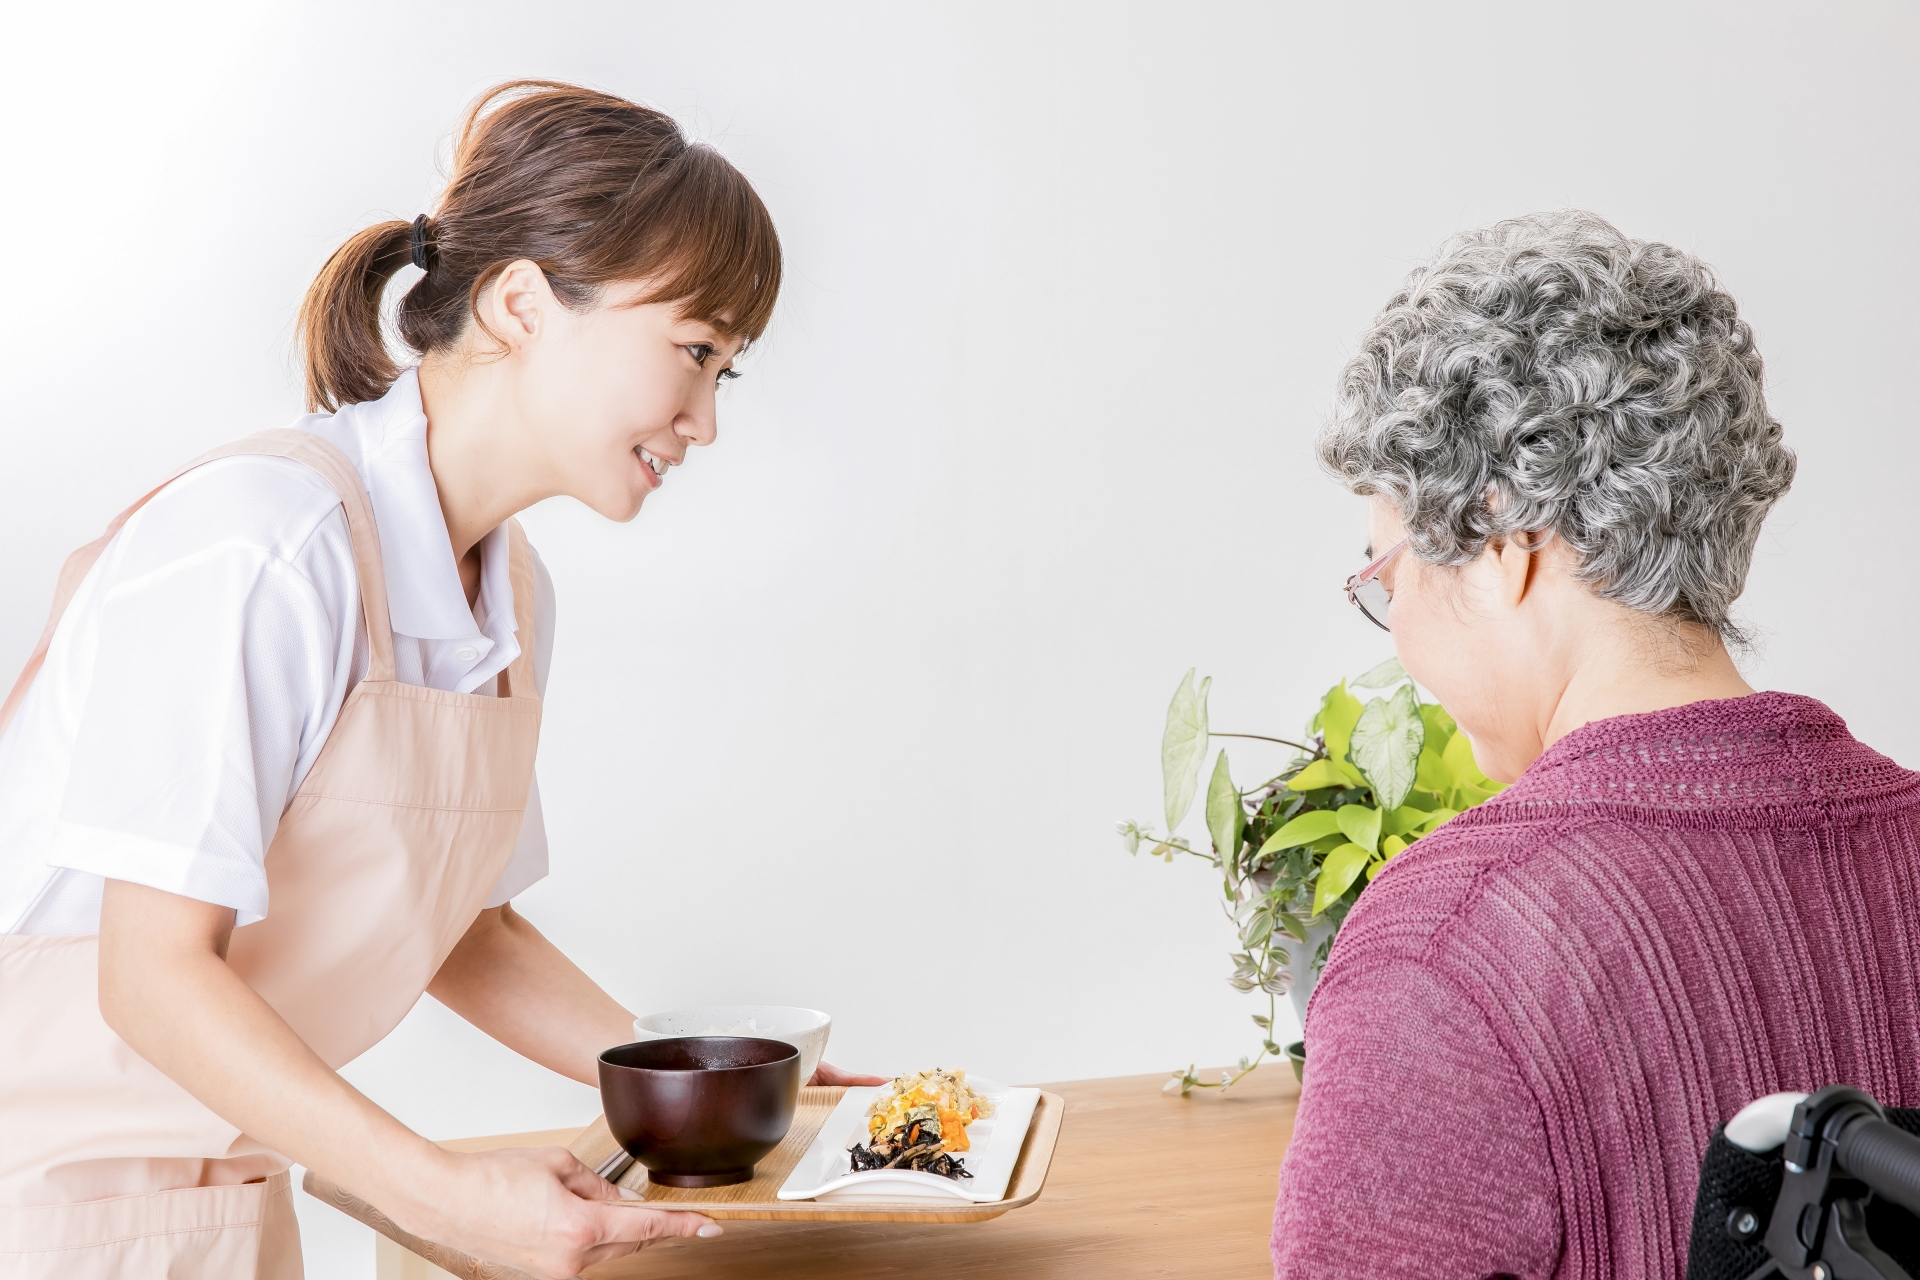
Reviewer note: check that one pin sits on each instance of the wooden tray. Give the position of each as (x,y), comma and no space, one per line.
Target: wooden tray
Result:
(746,1200)
(756,1199)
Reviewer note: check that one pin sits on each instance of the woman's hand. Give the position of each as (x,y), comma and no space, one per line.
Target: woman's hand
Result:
(543,1211)
(827,1073)
(166,989)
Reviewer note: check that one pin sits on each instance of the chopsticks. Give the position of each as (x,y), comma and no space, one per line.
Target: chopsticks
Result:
(615,1166)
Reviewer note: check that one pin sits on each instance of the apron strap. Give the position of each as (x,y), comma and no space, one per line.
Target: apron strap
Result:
(517,680)
(283,442)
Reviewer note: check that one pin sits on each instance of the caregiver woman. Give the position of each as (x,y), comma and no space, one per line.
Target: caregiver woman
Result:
(269,775)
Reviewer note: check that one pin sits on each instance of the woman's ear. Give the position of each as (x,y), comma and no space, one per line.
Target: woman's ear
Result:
(520,304)
(1518,567)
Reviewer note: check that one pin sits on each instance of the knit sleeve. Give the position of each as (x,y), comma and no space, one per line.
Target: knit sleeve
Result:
(1418,1150)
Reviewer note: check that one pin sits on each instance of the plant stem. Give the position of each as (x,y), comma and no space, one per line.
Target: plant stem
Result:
(1190,1081)
(1316,752)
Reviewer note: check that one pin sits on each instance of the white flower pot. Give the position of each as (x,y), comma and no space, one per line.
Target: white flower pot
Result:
(1300,965)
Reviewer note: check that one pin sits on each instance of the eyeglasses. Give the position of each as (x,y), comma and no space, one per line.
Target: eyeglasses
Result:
(1368,594)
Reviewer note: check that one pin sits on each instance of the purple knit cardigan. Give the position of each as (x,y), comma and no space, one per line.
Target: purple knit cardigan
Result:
(1532,1021)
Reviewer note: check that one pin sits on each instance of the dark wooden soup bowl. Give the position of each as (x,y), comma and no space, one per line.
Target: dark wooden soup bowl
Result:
(700,1111)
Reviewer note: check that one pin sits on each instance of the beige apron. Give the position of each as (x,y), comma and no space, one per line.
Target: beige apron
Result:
(382,861)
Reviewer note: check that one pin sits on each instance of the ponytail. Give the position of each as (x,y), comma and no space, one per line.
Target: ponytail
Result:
(347,357)
(593,188)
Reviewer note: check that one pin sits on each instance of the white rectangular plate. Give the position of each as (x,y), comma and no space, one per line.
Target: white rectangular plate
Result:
(822,1173)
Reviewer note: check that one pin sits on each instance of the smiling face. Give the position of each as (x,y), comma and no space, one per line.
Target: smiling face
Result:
(619,392)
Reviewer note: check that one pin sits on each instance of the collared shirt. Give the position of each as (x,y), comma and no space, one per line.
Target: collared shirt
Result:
(201,665)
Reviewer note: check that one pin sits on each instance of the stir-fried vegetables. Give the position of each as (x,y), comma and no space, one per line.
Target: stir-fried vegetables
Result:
(919,1121)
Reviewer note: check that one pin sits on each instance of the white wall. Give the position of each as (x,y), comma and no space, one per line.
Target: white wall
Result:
(1068,288)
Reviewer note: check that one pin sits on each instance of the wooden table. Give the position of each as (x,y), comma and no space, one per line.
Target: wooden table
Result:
(1143,1184)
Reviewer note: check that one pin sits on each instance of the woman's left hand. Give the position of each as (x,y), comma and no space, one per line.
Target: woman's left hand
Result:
(827,1073)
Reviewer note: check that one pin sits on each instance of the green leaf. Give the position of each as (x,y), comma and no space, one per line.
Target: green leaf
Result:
(1391,847)
(1182,747)
(1384,676)
(1437,819)
(1339,712)
(1398,822)
(1440,725)
(1304,829)
(1432,773)
(1327,844)
(1321,773)
(1471,795)
(1293,925)
(1225,818)
(1375,867)
(1337,874)
(1461,767)
(1360,824)
(1386,745)
(1259,929)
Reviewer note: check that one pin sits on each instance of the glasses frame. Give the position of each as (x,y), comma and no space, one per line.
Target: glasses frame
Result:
(1369,574)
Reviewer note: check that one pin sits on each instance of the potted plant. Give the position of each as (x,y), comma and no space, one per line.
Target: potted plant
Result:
(1294,852)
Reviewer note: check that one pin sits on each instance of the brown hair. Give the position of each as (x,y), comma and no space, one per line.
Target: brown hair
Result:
(593,188)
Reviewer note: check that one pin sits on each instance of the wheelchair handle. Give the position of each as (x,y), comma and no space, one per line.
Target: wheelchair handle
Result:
(1884,1156)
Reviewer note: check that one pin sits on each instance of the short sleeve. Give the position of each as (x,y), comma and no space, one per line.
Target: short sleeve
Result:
(528,865)
(1418,1150)
(214,676)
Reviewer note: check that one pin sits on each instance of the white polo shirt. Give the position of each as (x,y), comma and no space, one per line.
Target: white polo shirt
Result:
(201,665)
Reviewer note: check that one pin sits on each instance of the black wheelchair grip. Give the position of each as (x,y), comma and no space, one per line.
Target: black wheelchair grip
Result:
(1885,1158)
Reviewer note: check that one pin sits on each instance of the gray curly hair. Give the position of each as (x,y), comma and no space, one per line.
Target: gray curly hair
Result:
(1548,373)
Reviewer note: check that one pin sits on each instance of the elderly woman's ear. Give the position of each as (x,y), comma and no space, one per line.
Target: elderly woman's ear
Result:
(1520,561)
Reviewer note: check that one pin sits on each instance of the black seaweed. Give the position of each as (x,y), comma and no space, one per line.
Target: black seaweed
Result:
(919,1150)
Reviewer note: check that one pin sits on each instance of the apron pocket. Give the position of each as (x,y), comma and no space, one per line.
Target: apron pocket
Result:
(245,1232)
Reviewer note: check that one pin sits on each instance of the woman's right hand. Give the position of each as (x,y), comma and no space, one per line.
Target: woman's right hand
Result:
(165,988)
(539,1209)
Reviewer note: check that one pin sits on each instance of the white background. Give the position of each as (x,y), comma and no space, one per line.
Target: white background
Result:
(846,717)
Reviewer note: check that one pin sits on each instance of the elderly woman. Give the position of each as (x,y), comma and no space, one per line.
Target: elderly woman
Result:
(1692,894)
